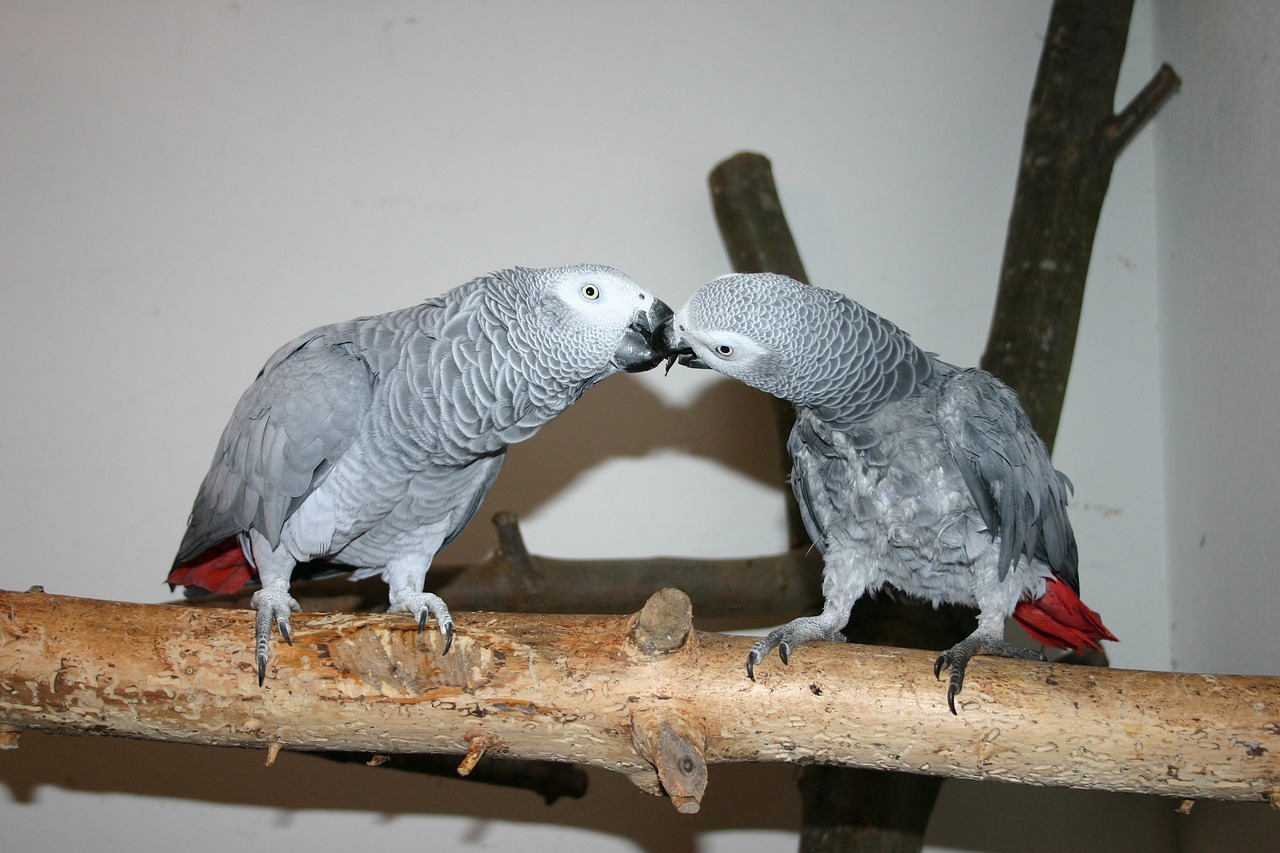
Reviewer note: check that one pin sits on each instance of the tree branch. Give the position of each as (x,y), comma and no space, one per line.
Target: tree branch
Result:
(1119,132)
(757,238)
(1069,149)
(746,591)
(585,689)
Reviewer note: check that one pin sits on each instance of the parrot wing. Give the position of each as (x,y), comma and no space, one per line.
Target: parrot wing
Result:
(819,477)
(288,430)
(1006,468)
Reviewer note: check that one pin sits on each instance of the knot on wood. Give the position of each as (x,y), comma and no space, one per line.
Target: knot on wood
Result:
(478,743)
(676,747)
(9,737)
(664,624)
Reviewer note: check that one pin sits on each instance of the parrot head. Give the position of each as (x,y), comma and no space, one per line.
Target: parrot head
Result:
(586,322)
(813,347)
(764,329)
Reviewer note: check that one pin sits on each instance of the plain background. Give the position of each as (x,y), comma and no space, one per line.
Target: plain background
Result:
(184,186)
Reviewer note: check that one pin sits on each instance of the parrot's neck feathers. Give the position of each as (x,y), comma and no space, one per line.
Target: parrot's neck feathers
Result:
(896,370)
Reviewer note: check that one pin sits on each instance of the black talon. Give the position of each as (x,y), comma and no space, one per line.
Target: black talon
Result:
(448,638)
(784,652)
(422,620)
(751,665)
(262,670)
(283,627)
(937,667)
(956,683)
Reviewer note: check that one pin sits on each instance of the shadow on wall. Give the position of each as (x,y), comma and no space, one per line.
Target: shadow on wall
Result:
(986,816)
(299,785)
(728,423)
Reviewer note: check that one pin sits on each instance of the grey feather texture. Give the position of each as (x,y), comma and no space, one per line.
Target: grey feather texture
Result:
(371,443)
(908,471)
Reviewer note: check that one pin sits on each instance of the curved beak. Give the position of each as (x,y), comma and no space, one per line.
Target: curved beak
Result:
(678,349)
(643,347)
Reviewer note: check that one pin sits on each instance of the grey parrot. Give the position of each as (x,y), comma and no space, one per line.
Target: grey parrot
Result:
(908,471)
(370,444)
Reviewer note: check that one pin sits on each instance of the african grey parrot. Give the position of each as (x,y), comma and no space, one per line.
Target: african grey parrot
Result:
(371,443)
(908,471)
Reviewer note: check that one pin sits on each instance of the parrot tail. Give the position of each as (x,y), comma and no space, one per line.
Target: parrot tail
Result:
(223,568)
(1060,619)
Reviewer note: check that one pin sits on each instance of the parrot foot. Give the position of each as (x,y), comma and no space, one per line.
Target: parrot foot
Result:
(423,605)
(806,629)
(274,604)
(978,643)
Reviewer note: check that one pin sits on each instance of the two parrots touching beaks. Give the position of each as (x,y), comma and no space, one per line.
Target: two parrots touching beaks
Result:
(371,443)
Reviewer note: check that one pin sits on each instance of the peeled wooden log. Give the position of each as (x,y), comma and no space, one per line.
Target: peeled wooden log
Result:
(643,695)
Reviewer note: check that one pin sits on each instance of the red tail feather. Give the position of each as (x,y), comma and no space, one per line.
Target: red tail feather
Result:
(1060,619)
(222,568)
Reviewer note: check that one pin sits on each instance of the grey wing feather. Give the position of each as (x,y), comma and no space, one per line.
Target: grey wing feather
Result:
(1006,467)
(817,473)
(288,430)
(487,468)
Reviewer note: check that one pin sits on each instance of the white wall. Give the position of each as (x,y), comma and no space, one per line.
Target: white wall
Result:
(185,186)
(1219,203)
(1218,197)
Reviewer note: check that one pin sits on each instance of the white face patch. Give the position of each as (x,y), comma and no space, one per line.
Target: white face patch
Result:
(725,348)
(604,298)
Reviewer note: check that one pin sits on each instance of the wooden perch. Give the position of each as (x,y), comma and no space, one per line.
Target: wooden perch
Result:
(643,695)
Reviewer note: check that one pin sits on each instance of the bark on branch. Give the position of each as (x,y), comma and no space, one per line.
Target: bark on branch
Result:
(643,695)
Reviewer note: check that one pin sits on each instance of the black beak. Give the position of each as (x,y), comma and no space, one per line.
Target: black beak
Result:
(677,348)
(643,347)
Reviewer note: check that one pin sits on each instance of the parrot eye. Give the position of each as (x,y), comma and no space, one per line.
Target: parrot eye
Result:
(724,350)
(590,292)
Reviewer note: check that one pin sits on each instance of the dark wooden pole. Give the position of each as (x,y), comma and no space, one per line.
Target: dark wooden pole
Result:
(1069,148)
(757,239)
(744,592)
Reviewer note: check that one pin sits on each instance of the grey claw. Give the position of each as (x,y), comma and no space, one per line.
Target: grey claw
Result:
(273,605)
